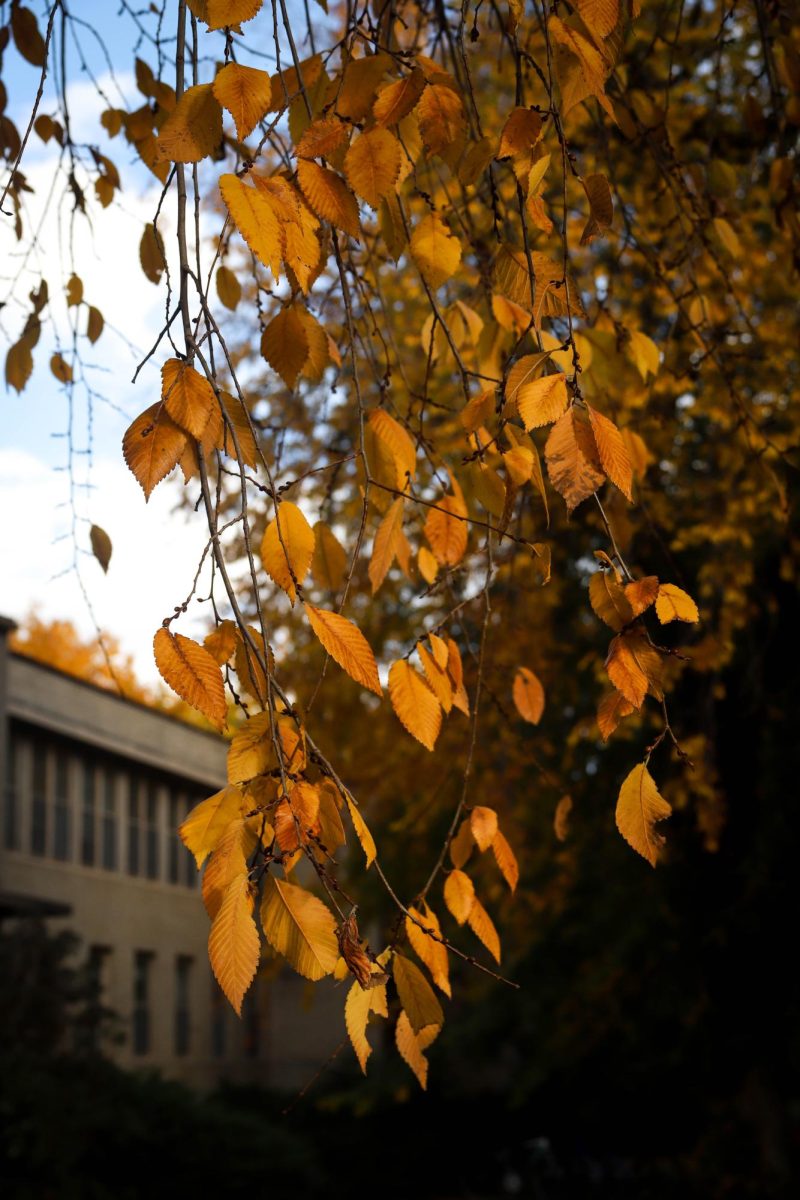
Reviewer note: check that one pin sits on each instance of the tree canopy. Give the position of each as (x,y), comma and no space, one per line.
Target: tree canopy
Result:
(479,362)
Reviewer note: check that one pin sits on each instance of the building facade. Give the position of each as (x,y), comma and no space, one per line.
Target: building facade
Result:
(94,788)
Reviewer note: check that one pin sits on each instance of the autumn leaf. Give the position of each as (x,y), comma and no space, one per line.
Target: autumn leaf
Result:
(194,129)
(358,1006)
(612,452)
(329,560)
(416,994)
(673,604)
(362,832)
(436,251)
(634,667)
(287,548)
(208,820)
(329,196)
(190,401)
(506,860)
(300,927)
(234,947)
(246,93)
(101,546)
(191,672)
(372,165)
(459,895)
(561,818)
(483,824)
(397,99)
(483,927)
(609,600)
(256,220)
(639,809)
(385,546)
(528,695)
(152,447)
(414,703)
(429,948)
(411,1046)
(446,530)
(346,645)
(572,461)
(542,401)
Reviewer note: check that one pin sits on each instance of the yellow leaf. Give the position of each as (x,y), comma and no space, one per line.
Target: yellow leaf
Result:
(478,410)
(193,129)
(256,220)
(506,860)
(416,994)
(456,673)
(221,642)
(428,566)
(482,926)
(359,82)
(441,117)
(537,174)
(191,672)
(229,859)
(528,695)
(190,401)
(611,710)
(359,1004)
(385,546)
(645,354)
(246,93)
(561,818)
(609,600)
(436,251)
(221,13)
(414,703)
(322,137)
(640,807)
(229,289)
(287,548)
(398,99)
(430,949)
(599,16)
(641,593)
(542,400)
(673,604)
(329,561)
(239,418)
(411,1045)
(208,820)
(446,530)
(391,435)
(329,196)
(601,207)
(581,69)
(461,845)
(459,895)
(347,646)
(331,829)
(372,165)
(437,678)
(234,947)
(284,344)
(249,664)
(521,132)
(634,667)
(612,451)
(571,458)
(300,927)
(251,751)
(152,446)
(483,824)
(362,832)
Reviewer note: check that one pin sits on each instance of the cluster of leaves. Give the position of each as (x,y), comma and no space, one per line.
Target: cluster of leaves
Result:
(463,242)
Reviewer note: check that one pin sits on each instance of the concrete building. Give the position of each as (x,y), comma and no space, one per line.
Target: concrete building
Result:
(94,788)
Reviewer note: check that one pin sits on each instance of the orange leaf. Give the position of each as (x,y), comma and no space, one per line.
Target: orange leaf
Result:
(234,947)
(459,895)
(640,807)
(347,646)
(528,695)
(287,548)
(483,823)
(152,446)
(191,671)
(414,703)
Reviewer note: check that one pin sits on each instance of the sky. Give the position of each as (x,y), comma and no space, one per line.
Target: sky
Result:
(51,496)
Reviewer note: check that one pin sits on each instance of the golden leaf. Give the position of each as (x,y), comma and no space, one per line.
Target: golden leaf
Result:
(208,820)
(347,646)
(436,251)
(192,673)
(359,82)
(251,752)
(599,16)
(297,817)
(414,703)
(331,829)
(284,344)
(239,419)
(234,947)
(411,1046)
(397,100)
(221,642)
(482,926)
(521,132)
(428,566)
(222,13)
(634,667)
(329,196)
(542,400)
(229,859)
(190,401)
(640,807)
(401,449)
(322,137)
(641,593)
(612,451)
(359,1004)
(611,710)
(551,298)
(645,353)
(561,817)
(506,860)
(300,927)
(193,129)
(101,546)
(441,117)
(372,165)
(609,600)
(437,677)
(461,845)
(459,895)
(384,548)
(287,548)
(329,561)
(430,949)
(478,410)
(152,446)
(229,289)
(601,207)
(456,673)
(518,463)
(571,458)
(673,604)
(250,656)
(581,69)
(483,823)
(362,832)
(446,530)
(256,220)
(246,93)
(416,994)
(528,695)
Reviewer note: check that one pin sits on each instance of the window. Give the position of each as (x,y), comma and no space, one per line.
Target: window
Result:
(183,975)
(142,968)
(88,1033)
(39,805)
(151,830)
(176,809)
(61,813)
(109,820)
(89,816)
(133,826)
(219,1028)
(11,805)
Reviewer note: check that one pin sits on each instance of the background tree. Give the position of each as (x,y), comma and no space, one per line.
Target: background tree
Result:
(523,450)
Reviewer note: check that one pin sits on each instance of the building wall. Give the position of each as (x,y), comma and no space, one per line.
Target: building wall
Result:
(94,788)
